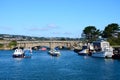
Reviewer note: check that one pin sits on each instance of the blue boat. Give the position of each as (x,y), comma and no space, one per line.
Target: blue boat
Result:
(28,53)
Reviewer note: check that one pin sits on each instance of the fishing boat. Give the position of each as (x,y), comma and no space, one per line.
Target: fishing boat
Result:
(82,51)
(102,49)
(85,50)
(54,52)
(27,53)
(18,53)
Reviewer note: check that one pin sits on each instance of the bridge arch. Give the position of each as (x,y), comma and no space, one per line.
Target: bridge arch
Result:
(51,44)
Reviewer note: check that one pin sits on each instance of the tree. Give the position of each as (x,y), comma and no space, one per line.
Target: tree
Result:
(112,33)
(91,33)
(110,29)
(1,45)
(62,39)
(13,44)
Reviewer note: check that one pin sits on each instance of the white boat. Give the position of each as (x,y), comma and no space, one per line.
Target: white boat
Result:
(102,49)
(18,53)
(54,53)
(86,50)
(83,52)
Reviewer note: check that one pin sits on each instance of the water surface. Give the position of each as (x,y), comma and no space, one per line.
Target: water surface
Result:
(68,66)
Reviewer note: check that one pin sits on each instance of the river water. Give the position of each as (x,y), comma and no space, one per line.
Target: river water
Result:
(68,66)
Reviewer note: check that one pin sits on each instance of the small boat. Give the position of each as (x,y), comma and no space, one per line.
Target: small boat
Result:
(85,50)
(102,49)
(27,53)
(54,53)
(43,49)
(18,53)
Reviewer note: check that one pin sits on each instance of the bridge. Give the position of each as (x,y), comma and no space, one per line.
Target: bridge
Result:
(51,44)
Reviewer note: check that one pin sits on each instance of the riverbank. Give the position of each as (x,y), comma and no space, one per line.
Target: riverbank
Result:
(5,48)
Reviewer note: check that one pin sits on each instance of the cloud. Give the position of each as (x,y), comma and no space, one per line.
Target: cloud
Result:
(56,33)
(52,26)
(67,33)
(49,27)
(5,28)
(61,34)
(34,29)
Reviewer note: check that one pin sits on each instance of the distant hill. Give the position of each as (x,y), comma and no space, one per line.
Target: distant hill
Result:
(23,37)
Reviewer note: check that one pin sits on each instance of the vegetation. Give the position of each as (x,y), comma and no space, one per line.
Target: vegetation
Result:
(91,33)
(13,44)
(1,45)
(111,33)
(110,30)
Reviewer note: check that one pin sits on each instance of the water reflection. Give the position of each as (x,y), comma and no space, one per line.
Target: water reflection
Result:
(109,60)
(86,57)
(54,57)
(18,59)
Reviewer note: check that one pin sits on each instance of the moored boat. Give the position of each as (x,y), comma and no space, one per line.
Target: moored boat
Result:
(18,53)
(54,53)
(27,53)
(85,50)
(43,49)
(102,49)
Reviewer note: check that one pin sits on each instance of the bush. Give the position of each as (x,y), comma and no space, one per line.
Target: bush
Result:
(1,45)
(13,43)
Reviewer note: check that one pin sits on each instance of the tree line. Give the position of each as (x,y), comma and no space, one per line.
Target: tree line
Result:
(111,33)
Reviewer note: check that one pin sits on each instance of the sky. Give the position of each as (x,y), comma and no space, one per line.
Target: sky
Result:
(56,18)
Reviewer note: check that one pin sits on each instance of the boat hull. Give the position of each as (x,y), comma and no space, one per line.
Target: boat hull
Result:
(18,56)
(102,54)
(83,52)
(54,53)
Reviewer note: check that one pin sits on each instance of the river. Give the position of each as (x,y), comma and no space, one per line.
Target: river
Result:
(68,66)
